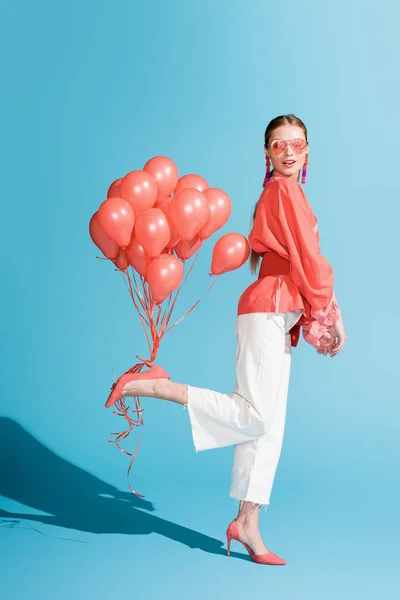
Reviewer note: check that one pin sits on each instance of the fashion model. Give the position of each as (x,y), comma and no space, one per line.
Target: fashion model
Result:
(294,289)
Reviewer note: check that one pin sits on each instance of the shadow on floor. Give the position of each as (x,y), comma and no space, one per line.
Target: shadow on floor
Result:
(35,476)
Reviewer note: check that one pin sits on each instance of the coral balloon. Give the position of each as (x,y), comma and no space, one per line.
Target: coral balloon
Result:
(136,255)
(186,249)
(189,213)
(162,201)
(165,206)
(195,182)
(108,247)
(163,275)
(117,218)
(140,190)
(165,173)
(114,191)
(230,252)
(121,260)
(220,207)
(152,231)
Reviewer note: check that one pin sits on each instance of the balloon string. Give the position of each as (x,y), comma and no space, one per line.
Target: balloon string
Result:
(149,322)
(150,303)
(169,310)
(132,293)
(144,296)
(155,325)
(143,320)
(158,316)
(139,296)
(191,266)
(193,307)
(121,409)
(137,289)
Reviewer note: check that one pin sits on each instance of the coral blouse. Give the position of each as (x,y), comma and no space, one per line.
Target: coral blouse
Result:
(293,273)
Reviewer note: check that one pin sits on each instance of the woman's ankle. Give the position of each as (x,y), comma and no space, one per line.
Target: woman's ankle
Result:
(248,511)
(249,520)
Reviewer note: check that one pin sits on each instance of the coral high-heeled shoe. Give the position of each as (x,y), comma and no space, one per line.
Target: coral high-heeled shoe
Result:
(232,533)
(154,372)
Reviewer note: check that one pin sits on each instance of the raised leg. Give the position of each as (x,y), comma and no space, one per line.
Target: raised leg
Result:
(164,389)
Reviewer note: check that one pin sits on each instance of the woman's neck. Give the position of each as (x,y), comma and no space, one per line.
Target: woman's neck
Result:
(295,176)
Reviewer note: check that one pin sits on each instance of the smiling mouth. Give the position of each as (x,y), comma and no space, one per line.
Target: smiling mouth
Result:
(289,163)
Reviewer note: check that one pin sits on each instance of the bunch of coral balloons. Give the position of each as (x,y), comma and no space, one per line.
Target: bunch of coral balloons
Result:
(154,221)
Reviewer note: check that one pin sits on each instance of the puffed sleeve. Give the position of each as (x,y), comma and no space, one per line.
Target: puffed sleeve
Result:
(310,270)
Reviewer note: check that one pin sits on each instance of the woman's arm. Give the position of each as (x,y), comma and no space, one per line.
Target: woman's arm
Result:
(310,270)
(284,221)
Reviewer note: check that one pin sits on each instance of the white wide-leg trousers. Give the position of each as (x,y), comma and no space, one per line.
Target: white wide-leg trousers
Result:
(253,417)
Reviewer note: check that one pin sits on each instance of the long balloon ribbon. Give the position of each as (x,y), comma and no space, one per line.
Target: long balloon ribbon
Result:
(153,338)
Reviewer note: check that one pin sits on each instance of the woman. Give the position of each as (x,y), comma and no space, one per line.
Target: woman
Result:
(294,288)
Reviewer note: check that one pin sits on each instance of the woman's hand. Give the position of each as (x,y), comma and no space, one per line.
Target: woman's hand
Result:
(325,343)
(339,338)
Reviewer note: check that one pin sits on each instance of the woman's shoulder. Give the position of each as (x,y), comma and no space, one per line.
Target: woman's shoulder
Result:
(283,189)
(283,183)
(288,193)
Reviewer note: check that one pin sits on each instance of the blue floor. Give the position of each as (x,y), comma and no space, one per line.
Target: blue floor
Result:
(84,538)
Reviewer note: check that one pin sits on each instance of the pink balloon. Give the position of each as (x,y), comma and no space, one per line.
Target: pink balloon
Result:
(173,240)
(195,182)
(136,255)
(165,173)
(121,261)
(117,218)
(186,249)
(164,274)
(165,206)
(108,247)
(162,201)
(115,189)
(230,252)
(189,213)
(140,190)
(220,207)
(152,231)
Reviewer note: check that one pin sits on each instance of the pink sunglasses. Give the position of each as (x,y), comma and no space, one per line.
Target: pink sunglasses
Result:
(279,146)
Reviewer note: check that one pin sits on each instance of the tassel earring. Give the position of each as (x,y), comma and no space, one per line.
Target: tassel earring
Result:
(304,175)
(268,173)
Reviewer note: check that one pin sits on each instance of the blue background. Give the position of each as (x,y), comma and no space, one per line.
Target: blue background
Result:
(94,89)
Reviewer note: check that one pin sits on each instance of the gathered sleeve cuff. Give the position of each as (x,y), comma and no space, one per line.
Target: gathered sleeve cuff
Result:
(312,332)
(327,317)
(323,319)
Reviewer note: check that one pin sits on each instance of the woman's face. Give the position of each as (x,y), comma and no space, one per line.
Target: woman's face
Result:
(288,163)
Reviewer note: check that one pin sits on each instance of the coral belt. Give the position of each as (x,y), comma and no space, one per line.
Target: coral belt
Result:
(273,264)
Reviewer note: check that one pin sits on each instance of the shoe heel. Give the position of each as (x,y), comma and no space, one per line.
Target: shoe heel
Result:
(228,541)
